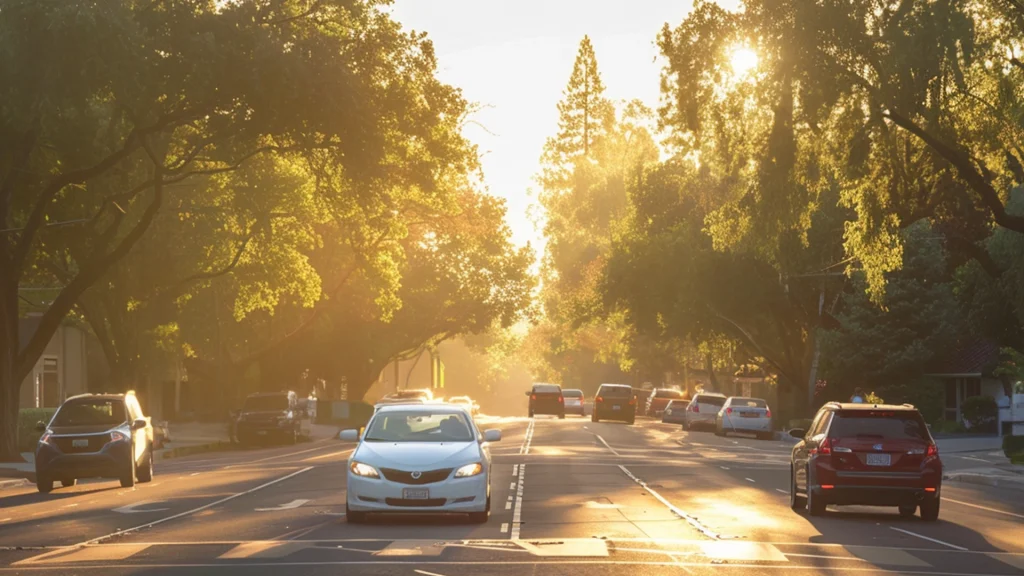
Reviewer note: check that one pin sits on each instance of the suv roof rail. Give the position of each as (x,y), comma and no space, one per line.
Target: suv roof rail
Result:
(833,403)
(908,405)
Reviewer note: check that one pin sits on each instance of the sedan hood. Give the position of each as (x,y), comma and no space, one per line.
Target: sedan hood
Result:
(405,455)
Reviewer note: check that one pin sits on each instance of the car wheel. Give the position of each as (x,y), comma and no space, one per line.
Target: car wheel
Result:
(796,501)
(44,483)
(146,470)
(908,510)
(930,509)
(128,476)
(719,431)
(815,504)
(68,482)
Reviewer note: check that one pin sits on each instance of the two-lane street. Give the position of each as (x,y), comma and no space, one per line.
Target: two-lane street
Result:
(569,497)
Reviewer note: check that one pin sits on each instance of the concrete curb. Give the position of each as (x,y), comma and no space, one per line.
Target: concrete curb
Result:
(13,482)
(190,450)
(1008,482)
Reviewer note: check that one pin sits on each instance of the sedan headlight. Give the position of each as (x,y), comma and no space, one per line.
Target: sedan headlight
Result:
(364,470)
(469,470)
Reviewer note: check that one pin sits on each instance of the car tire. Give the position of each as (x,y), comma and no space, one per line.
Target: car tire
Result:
(930,509)
(145,472)
(796,501)
(68,482)
(815,504)
(719,431)
(44,483)
(907,510)
(128,476)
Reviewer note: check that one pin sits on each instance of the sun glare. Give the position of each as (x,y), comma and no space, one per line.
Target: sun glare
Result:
(743,60)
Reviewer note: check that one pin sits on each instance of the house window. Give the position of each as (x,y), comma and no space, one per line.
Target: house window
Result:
(49,393)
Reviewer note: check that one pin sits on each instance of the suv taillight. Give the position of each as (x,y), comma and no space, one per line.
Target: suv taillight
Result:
(598,399)
(533,396)
(823,449)
(728,410)
(933,451)
(561,399)
(632,400)
(767,413)
(696,408)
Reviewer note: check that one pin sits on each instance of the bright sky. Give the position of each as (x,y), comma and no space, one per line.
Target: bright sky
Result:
(515,57)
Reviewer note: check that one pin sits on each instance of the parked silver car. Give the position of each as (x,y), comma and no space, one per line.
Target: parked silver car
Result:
(745,415)
(702,411)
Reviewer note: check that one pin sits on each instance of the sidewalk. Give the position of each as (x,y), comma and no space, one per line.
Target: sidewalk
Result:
(966,443)
(185,439)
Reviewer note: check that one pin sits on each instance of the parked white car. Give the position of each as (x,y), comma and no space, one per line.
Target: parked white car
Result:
(747,415)
(702,411)
(420,458)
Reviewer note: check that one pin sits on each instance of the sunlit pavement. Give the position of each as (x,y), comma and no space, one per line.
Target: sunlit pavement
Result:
(568,497)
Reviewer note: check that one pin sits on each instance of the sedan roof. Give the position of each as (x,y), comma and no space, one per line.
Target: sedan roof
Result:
(435,408)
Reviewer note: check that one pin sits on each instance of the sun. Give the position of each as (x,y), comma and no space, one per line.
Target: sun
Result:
(743,60)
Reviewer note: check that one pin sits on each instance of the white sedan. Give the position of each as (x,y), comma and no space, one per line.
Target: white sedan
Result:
(420,458)
(749,415)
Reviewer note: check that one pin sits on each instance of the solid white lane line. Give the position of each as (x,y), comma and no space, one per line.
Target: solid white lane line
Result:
(786,492)
(198,509)
(678,512)
(328,455)
(269,458)
(986,508)
(973,458)
(724,467)
(953,546)
(425,573)
(751,480)
(606,445)
(517,514)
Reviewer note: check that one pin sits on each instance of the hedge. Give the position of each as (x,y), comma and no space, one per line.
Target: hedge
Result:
(1013,445)
(28,436)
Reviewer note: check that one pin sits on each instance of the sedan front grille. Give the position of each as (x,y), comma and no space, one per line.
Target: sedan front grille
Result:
(426,477)
(95,443)
(406,503)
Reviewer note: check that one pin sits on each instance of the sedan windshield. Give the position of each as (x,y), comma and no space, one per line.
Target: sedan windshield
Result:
(89,412)
(419,426)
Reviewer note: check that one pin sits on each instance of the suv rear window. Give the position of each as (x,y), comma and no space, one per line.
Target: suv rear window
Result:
(668,394)
(615,391)
(748,403)
(572,393)
(546,389)
(712,400)
(902,425)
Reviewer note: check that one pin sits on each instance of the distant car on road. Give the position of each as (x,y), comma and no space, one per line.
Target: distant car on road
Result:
(675,412)
(614,402)
(573,401)
(467,402)
(657,401)
(747,415)
(546,399)
(95,436)
(270,416)
(702,411)
(866,455)
(425,458)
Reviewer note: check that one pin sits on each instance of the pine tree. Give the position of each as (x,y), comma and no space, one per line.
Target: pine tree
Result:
(584,114)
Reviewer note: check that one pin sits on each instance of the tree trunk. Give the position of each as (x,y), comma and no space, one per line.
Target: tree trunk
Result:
(10,382)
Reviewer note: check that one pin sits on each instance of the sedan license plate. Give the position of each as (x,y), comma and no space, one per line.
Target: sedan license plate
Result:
(80,443)
(415,493)
(614,408)
(749,414)
(879,460)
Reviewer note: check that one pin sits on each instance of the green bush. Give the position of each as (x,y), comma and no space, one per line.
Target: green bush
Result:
(981,413)
(1013,445)
(28,436)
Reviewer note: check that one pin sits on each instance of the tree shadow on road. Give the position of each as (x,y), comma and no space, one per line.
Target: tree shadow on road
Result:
(925,534)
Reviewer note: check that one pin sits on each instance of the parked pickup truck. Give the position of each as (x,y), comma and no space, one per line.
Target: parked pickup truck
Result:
(95,436)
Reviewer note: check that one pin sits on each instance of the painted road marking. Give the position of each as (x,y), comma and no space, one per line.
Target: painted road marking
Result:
(86,554)
(886,556)
(983,507)
(953,546)
(517,514)
(425,573)
(515,469)
(606,445)
(263,549)
(786,492)
(508,505)
(504,527)
(412,548)
(131,508)
(677,511)
(288,506)
(328,455)
(197,509)
(751,480)
(739,550)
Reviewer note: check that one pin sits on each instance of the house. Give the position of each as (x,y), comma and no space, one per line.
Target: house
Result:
(61,371)
(966,373)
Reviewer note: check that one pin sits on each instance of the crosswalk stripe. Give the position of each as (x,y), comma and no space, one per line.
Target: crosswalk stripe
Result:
(412,548)
(86,554)
(263,549)
(886,556)
(737,550)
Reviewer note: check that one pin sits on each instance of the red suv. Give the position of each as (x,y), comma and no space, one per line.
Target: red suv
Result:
(866,455)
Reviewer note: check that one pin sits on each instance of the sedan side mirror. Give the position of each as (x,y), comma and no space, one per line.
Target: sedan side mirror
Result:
(492,436)
(40,426)
(139,424)
(798,433)
(349,435)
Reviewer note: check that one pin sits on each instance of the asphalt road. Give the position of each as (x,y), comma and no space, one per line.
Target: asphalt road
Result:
(570,497)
